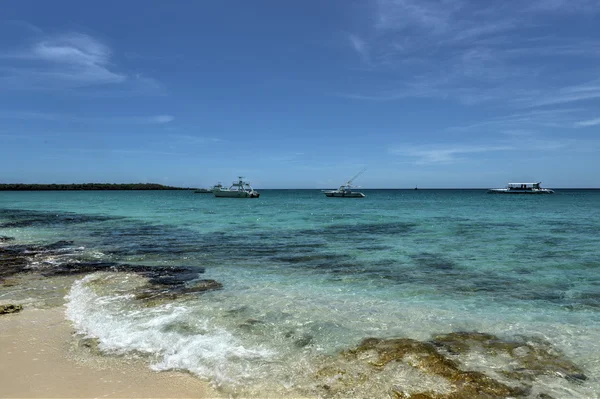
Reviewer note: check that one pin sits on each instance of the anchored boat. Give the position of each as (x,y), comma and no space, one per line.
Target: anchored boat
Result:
(345,190)
(238,189)
(521,188)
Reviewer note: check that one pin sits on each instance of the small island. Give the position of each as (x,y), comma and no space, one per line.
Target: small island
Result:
(86,186)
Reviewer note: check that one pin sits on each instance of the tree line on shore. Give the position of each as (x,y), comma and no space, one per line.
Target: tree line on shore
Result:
(87,186)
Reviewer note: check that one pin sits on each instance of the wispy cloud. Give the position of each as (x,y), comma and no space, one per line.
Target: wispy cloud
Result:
(39,61)
(564,95)
(162,119)
(443,154)
(531,120)
(588,123)
(72,59)
(361,47)
(565,6)
(188,139)
(57,117)
(475,52)
(424,14)
(22,25)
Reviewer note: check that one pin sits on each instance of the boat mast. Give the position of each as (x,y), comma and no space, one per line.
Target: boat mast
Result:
(349,182)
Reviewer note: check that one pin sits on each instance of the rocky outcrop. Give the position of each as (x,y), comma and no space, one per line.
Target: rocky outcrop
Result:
(10,308)
(62,259)
(438,364)
(425,357)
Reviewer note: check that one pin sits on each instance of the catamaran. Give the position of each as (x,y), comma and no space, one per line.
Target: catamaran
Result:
(345,190)
(521,188)
(238,189)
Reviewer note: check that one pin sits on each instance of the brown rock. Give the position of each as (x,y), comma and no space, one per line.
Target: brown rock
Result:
(10,308)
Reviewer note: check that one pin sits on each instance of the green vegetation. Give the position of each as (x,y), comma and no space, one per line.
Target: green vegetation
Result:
(87,186)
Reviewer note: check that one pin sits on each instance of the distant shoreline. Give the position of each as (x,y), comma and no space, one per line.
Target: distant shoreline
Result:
(87,187)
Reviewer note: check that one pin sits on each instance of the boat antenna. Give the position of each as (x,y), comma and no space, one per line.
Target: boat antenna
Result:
(355,176)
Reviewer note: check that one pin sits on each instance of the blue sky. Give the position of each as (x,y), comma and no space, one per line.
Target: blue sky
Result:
(301,94)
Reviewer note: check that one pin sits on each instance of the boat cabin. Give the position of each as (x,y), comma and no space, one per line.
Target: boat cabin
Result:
(524,186)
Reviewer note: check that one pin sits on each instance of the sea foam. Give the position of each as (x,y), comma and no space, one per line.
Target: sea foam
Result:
(121,326)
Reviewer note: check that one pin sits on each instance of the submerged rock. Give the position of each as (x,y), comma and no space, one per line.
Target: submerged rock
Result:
(6,238)
(90,343)
(18,258)
(158,292)
(425,357)
(10,308)
(62,259)
(408,368)
(531,358)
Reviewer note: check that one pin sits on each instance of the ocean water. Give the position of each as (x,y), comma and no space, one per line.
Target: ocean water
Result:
(306,278)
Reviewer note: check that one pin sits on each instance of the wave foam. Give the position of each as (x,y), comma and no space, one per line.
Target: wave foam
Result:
(123,327)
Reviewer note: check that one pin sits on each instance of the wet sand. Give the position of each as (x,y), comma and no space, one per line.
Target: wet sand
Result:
(40,357)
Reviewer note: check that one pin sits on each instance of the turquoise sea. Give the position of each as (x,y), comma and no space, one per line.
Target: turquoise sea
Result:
(306,278)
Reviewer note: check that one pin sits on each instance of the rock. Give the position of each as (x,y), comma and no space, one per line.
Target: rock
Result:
(532,357)
(89,343)
(576,377)
(424,356)
(8,282)
(303,341)
(10,308)
(6,238)
(159,292)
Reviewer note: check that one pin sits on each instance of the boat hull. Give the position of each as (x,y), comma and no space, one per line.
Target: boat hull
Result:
(236,194)
(506,191)
(344,195)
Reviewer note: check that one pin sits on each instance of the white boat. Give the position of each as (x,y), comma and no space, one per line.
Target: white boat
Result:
(345,190)
(521,188)
(238,189)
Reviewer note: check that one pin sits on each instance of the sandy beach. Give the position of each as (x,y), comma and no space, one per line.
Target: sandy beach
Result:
(40,357)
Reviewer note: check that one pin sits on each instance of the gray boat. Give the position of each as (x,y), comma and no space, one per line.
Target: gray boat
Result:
(238,189)
(521,188)
(345,190)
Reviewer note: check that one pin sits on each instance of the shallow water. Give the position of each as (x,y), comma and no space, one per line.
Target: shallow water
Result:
(306,277)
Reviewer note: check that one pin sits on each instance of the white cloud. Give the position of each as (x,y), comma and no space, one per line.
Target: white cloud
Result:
(162,119)
(515,122)
(566,6)
(360,46)
(68,60)
(475,52)
(57,117)
(400,14)
(38,61)
(521,142)
(441,154)
(588,123)
(563,95)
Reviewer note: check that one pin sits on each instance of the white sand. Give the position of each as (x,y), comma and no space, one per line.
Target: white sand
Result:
(39,358)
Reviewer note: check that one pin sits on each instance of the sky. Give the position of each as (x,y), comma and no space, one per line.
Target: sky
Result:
(301,94)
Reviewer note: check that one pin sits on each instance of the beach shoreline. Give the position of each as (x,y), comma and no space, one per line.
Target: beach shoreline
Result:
(42,358)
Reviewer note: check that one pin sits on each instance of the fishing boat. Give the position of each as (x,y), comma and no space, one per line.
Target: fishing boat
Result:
(521,188)
(345,190)
(238,189)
